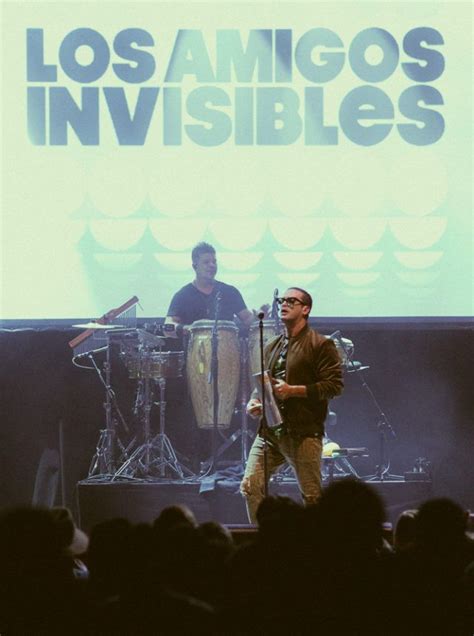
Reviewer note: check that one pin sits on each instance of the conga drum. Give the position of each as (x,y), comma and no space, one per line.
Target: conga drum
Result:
(269,331)
(198,369)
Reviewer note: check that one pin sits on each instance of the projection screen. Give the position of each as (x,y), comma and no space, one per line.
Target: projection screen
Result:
(324,145)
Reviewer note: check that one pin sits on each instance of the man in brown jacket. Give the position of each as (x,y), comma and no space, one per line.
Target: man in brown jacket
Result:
(306,372)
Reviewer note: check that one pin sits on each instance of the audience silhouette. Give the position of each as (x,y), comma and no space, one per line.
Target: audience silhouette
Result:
(324,569)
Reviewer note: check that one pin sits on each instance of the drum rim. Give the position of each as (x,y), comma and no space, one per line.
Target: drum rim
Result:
(205,323)
(266,323)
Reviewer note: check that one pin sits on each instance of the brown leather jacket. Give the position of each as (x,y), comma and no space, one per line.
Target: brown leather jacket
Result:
(313,361)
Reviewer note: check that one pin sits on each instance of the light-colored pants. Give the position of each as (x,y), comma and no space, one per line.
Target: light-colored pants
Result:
(303,454)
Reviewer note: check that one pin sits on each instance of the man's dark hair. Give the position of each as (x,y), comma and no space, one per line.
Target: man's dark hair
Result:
(306,297)
(201,248)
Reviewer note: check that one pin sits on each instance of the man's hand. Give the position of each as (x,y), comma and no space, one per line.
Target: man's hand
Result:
(172,327)
(282,389)
(254,408)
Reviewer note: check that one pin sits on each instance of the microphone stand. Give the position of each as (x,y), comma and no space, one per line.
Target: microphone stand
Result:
(382,471)
(213,377)
(263,418)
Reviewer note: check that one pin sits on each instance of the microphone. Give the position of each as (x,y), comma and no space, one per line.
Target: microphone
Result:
(261,315)
(86,354)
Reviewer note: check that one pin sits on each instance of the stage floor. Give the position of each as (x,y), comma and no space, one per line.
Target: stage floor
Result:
(210,499)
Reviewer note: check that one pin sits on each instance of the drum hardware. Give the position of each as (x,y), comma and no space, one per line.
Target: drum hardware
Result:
(156,454)
(149,339)
(103,463)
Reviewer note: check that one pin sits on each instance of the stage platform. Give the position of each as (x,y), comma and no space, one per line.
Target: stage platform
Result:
(210,499)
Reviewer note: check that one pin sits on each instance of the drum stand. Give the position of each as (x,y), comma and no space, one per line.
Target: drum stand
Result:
(156,454)
(103,463)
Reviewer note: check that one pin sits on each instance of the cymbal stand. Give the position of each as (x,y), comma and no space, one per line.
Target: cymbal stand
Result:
(103,463)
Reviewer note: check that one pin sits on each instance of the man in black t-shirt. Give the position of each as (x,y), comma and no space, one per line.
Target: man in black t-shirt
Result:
(205,298)
(200,299)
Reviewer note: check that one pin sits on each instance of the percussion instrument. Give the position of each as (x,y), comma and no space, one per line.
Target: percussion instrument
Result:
(198,370)
(95,325)
(154,364)
(269,331)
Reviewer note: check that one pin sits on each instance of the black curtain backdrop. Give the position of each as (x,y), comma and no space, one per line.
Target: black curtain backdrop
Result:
(421,376)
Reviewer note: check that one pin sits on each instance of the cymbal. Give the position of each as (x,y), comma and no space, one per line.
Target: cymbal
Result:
(95,325)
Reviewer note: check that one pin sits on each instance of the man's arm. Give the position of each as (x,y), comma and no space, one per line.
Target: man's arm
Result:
(174,315)
(329,384)
(246,316)
(329,370)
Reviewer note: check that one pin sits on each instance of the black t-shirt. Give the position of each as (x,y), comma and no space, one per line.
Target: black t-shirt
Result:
(190,304)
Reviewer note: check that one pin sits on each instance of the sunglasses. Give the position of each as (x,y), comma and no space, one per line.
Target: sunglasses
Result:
(291,301)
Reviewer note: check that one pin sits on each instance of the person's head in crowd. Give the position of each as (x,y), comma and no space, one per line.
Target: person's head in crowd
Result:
(217,539)
(404,535)
(109,541)
(214,532)
(28,538)
(277,515)
(441,523)
(352,514)
(177,515)
(72,539)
